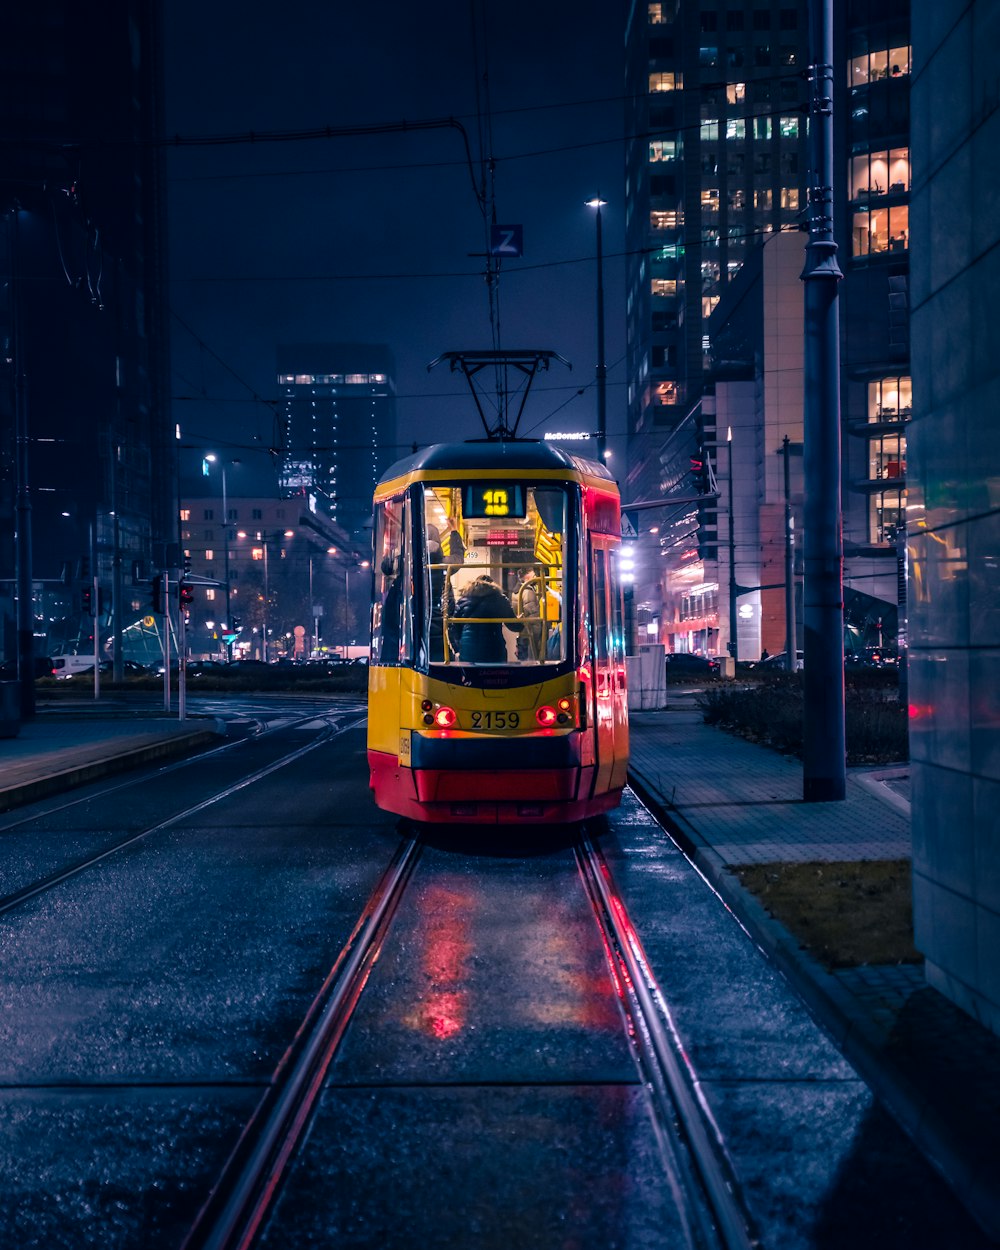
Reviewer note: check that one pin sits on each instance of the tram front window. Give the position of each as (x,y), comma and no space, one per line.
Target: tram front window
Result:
(493,573)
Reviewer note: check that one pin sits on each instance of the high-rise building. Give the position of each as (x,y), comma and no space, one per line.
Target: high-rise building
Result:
(717,171)
(82,237)
(715,164)
(338,408)
(954,507)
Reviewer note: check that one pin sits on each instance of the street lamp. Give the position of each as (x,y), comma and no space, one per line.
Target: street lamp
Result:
(212,458)
(315,609)
(358,564)
(602,372)
(264,538)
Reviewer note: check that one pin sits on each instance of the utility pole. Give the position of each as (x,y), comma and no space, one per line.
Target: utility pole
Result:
(734,589)
(824,773)
(23,579)
(791,647)
(602,370)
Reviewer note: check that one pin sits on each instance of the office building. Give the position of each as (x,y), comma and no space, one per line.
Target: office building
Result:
(338,413)
(720,93)
(82,237)
(270,569)
(954,507)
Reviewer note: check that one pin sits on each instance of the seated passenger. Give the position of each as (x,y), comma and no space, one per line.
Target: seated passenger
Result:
(482,641)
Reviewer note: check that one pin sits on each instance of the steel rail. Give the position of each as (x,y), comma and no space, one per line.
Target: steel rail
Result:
(117,786)
(240,1201)
(10,901)
(678,1099)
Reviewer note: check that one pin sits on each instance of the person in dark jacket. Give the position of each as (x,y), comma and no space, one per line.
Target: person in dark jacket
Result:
(482,641)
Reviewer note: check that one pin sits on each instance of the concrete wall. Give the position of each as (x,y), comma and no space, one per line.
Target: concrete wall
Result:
(954,501)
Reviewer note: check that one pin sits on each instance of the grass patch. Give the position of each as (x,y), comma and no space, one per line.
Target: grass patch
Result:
(844,914)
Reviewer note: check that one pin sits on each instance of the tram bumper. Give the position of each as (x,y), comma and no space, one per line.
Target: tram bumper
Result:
(512,769)
(477,780)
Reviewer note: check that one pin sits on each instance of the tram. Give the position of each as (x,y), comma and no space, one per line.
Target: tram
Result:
(496,687)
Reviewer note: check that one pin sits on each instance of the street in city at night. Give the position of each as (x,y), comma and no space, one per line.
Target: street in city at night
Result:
(499,626)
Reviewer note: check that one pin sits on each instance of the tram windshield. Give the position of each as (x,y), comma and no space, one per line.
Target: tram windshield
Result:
(493,572)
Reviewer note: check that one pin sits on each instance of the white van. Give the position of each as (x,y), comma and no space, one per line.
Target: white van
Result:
(71,665)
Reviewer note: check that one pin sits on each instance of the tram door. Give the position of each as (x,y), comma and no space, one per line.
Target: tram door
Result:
(608,650)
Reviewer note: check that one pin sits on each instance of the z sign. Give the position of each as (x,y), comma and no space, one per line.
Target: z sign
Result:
(506,240)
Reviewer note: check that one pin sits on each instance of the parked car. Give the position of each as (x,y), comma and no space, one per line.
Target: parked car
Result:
(871,657)
(682,664)
(778,663)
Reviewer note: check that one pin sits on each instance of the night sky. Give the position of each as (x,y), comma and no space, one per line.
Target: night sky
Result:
(367,238)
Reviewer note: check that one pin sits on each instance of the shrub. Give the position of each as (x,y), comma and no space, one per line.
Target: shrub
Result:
(771,712)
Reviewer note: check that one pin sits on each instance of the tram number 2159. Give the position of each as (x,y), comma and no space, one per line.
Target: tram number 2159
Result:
(496,720)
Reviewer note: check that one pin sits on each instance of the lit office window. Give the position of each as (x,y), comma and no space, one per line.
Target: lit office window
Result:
(873,66)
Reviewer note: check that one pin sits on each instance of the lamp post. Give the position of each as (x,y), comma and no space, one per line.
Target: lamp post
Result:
(358,564)
(602,372)
(315,609)
(734,646)
(24,580)
(263,539)
(212,459)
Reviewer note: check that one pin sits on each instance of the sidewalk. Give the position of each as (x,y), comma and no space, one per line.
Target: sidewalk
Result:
(72,746)
(732,803)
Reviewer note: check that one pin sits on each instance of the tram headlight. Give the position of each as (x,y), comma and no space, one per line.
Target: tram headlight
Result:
(546,716)
(445,717)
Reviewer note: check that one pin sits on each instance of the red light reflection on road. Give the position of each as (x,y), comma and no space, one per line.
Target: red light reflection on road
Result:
(442,1008)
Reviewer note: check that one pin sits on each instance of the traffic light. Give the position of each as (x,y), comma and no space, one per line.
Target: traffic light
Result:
(157,588)
(699,473)
(237,625)
(186,594)
(87,600)
(708,509)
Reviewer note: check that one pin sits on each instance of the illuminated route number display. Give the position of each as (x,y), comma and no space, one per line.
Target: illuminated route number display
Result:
(493,499)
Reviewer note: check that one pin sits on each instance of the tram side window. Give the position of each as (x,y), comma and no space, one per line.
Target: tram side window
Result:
(602,630)
(392,617)
(609,616)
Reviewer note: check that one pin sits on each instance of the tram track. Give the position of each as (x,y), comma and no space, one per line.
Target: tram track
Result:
(240,1202)
(699,1172)
(16,898)
(263,728)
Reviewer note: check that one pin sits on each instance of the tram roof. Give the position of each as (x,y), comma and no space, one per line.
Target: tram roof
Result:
(494,454)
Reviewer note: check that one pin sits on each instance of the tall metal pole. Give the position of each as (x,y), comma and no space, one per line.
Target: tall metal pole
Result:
(791,646)
(267,595)
(734,643)
(22,507)
(824,742)
(602,371)
(225,557)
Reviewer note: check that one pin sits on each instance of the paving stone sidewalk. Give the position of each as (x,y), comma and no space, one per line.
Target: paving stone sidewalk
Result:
(732,803)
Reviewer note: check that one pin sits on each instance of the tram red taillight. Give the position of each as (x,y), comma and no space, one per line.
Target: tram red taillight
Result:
(546,716)
(445,717)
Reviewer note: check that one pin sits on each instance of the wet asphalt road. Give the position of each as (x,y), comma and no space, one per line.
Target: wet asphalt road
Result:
(485,1093)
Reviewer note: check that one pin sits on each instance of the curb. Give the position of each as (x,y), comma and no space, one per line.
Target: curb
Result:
(57,783)
(848,1026)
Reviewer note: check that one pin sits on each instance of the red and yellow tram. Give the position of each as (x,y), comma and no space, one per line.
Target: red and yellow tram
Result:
(496,690)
